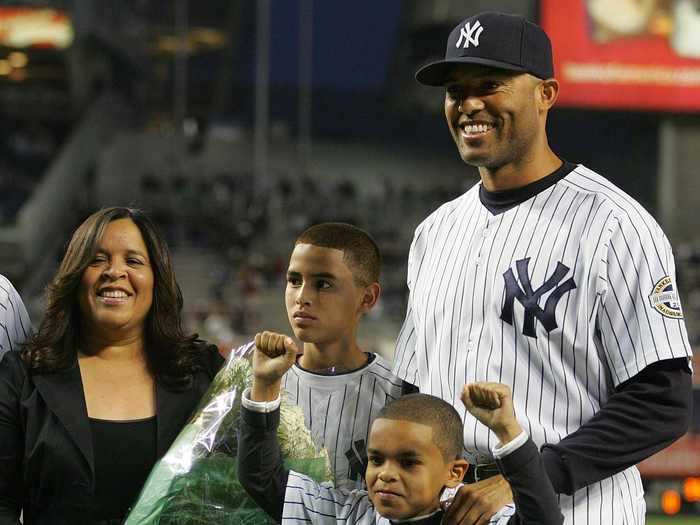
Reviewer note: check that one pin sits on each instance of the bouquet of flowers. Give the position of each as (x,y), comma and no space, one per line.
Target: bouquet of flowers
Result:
(196,481)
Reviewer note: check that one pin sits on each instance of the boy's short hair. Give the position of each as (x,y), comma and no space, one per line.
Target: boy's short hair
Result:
(434,412)
(360,252)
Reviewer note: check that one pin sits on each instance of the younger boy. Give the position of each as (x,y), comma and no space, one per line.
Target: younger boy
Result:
(414,450)
(332,281)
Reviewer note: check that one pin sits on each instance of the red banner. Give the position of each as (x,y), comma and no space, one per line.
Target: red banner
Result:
(635,54)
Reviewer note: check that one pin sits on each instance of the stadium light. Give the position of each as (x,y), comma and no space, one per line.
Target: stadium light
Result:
(17,59)
(691,490)
(670,502)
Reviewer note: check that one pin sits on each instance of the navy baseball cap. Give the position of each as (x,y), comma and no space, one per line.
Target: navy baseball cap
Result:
(493,39)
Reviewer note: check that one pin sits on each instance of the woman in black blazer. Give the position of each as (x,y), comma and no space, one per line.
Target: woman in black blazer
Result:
(102,389)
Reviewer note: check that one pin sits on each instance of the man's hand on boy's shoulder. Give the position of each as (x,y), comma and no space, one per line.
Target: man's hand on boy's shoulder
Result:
(274,355)
(476,503)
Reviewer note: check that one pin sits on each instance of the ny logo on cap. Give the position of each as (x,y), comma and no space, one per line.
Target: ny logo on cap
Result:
(467,35)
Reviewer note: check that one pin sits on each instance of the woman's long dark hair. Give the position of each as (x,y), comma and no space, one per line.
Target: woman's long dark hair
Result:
(172,355)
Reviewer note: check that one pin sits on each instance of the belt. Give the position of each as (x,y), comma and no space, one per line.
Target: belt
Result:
(480,472)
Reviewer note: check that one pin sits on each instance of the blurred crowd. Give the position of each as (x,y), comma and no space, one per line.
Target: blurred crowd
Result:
(25,152)
(233,240)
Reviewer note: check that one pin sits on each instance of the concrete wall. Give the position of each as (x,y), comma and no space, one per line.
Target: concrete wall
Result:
(679,178)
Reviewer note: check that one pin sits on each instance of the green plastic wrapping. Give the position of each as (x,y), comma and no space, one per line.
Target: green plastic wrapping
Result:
(196,482)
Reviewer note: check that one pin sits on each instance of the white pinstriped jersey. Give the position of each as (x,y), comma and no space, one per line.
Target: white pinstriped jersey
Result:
(338,410)
(306,501)
(15,325)
(562,297)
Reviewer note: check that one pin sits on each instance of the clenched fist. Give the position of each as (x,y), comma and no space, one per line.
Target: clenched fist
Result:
(492,404)
(274,355)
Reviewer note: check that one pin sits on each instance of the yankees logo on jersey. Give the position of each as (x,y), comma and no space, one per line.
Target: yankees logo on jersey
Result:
(15,325)
(338,410)
(562,294)
(529,298)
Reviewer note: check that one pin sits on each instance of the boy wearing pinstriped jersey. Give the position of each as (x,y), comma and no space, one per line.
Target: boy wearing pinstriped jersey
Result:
(332,282)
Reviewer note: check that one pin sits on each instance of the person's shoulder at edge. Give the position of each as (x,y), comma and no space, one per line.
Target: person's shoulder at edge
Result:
(11,292)
(4,281)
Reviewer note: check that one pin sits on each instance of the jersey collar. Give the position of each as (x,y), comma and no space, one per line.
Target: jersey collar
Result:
(501,201)
(434,518)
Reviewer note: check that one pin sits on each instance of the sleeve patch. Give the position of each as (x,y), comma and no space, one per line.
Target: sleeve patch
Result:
(664,299)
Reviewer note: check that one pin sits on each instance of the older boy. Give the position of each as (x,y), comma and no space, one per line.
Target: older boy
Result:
(332,281)
(415,447)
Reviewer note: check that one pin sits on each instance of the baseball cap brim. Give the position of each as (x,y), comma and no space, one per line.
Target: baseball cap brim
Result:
(438,73)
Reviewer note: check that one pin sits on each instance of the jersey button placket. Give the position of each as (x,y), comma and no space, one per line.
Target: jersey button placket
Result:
(480,249)
(485,232)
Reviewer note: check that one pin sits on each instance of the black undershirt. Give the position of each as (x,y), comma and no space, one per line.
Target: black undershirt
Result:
(125,452)
(501,201)
(642,416)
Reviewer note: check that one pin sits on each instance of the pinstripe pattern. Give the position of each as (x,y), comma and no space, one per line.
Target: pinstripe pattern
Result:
(15,325)
(308,502)
(338,410)
(607,330)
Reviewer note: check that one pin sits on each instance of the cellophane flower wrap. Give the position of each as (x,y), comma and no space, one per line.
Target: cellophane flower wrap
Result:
(196,481)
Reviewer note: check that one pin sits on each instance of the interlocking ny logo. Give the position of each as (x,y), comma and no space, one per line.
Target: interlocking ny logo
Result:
(467,36)
(530,299)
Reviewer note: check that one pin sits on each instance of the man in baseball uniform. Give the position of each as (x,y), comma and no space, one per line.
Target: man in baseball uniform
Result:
(546,277)
(15,326)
